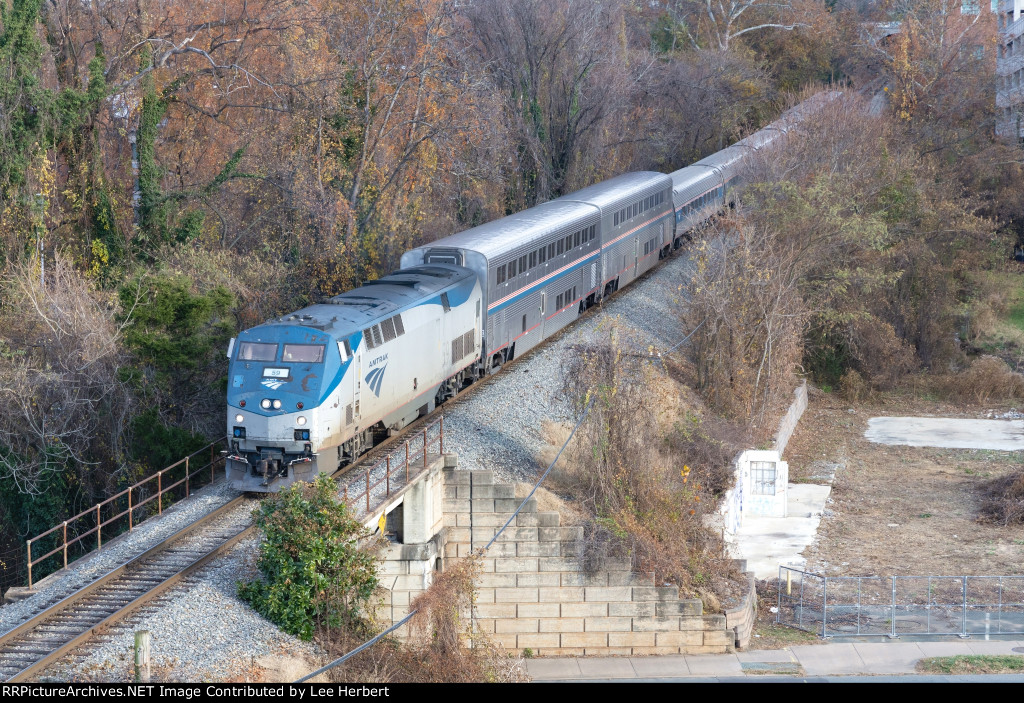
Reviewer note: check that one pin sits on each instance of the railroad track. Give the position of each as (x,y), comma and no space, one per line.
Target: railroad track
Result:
(67,625)
(41,640)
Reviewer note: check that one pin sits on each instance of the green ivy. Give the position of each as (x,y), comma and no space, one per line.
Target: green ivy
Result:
(312,568)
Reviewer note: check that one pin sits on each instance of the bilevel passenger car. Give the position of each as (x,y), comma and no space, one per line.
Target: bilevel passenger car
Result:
(311,391)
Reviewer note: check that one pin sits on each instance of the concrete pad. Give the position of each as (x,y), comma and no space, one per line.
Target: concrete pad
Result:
(766,655)
(959,433)
(553,668)
(824,660)
(806,500)
(658,666)
(767,542)
(713,665)
(890,657)
(606,668)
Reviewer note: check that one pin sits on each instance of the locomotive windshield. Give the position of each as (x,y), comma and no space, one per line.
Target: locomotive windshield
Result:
(308,353)
(255,351)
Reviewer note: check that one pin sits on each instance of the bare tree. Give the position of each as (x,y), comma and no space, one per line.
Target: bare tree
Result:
(62,402)
(717,23)
(747,315)
(562,68)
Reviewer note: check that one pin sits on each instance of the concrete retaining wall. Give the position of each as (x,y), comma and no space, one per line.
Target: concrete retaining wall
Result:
(789,421)
(533,595)
(741,618)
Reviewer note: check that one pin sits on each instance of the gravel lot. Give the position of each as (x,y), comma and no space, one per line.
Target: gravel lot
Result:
(202,632)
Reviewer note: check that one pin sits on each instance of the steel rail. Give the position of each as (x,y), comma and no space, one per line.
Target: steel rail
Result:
(82,596)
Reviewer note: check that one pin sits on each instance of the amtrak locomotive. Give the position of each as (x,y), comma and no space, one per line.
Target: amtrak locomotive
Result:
(311,391)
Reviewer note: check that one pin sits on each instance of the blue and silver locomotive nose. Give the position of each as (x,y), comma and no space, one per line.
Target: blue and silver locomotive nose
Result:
(278,378)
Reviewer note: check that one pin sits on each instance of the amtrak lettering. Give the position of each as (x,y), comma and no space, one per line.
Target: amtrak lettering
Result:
(379,360)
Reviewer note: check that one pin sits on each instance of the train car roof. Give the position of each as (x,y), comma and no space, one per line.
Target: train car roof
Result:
(509,233)
(614,190)
(358,308)
(692,175)
(523,228)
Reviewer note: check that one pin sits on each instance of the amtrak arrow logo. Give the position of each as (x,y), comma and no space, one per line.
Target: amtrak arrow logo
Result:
(271,384)
(374,379)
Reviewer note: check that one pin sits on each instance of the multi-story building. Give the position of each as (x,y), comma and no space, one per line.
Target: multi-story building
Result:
(1010,70)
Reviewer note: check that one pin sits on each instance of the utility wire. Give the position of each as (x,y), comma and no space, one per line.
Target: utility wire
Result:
(583,417)
(407,618)
(370,643)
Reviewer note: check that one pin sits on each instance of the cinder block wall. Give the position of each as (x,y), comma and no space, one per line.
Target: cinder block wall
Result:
(533,595)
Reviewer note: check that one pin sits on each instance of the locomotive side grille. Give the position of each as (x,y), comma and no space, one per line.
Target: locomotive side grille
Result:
(457,352)
(348,414)
(399,326)
(375,332)
(388,328)
(468,341)
(371,341)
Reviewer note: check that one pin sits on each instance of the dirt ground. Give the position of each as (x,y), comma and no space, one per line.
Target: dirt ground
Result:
(900,510)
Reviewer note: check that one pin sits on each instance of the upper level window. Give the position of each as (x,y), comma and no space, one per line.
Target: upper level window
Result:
(256,351)
(307,353)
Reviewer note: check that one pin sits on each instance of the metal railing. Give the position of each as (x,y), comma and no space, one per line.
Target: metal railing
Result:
(395,471)
(834,606)
(125,505)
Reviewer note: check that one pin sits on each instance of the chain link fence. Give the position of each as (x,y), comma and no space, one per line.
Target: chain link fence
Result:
(857,606)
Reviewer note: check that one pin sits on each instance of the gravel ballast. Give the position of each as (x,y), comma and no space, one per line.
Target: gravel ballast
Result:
(115,553)
(499,426)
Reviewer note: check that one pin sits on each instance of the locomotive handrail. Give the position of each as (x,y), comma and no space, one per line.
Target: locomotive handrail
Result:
(95,512)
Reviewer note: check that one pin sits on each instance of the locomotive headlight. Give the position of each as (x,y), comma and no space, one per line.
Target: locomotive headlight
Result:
(277,405)
(265,403)
(300,420)
(239,419)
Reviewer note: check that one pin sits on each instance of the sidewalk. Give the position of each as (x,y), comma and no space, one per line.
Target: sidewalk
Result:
(830,659)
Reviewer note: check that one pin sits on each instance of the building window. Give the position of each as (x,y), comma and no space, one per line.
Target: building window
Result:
(762,474)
